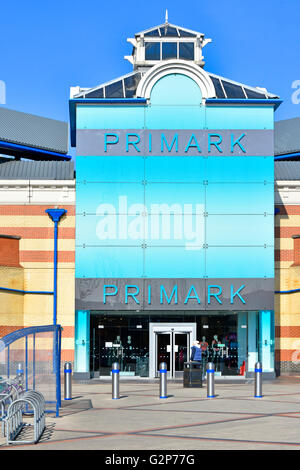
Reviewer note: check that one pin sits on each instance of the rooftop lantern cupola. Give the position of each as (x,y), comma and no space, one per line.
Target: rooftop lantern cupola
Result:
(165,42)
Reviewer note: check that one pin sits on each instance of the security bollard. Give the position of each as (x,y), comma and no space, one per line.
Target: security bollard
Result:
(163,380)
(210,380)
(258,380)
(20,370)
(20,374)
(68,380)
(115,373)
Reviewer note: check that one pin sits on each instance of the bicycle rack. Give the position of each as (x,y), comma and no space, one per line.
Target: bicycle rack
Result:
(12,390)
(34,401)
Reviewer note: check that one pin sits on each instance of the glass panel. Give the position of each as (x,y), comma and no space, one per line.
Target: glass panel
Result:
(242,339)
(175,90)
(232,170)
(174,262)
(239,230)
(94,351)
(109,261)
(190,117)
(153,33)
(249,261)
(152,50)
(180,351)
(184,169)
(224,338)
(266,342)
(254,95)
(118,230)
(169,31)
(131,84)
(82,336)
(115,90)
(186,50)
(220,342)
(190,197)
(163,349)
(95,94)
(169,50)
(117,339)
(99,169)
(110,117)
(185,34)
(218,87)
(111,198)
(252,340)
(239,198)
(233,91)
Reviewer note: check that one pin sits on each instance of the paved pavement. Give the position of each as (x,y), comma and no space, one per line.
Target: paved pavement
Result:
(185,420)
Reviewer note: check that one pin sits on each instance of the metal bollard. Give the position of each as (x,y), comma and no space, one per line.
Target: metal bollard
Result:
(68,380)
(115,373)
(210,380)
(258,380)
(20,374)
(20,371)
(163,380)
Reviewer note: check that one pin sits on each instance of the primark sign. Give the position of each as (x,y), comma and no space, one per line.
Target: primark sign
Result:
(156,142)
(174,294)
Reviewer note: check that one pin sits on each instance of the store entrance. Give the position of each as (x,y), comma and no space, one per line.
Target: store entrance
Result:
(170,343)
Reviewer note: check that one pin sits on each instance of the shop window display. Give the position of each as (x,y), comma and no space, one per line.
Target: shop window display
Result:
(230,340)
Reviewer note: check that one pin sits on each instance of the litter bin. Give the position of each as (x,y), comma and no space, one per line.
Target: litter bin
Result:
(192,374)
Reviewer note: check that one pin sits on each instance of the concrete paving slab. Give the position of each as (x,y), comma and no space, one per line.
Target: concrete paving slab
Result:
(187,420)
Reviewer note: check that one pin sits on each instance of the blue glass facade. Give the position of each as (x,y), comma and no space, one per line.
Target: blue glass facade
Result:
(173,215)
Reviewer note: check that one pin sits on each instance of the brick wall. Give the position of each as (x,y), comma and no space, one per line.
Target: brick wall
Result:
(287,277)
(36,231)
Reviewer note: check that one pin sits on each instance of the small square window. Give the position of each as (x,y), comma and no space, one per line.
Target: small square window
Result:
(152,50)
(169,50)
(186,50)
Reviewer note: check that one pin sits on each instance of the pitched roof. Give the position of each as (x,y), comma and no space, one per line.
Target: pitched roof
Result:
(287,171)
(169,30)
(287,136)
(33,131)
(36,170)
(126,86)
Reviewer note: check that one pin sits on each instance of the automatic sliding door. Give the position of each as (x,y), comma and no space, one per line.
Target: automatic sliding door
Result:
(164,351)
(181,351)
(170,343)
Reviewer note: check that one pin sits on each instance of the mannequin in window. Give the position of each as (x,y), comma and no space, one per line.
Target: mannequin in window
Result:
(204,349)
(118,351)
(216,351)
(127,351)
(204,346)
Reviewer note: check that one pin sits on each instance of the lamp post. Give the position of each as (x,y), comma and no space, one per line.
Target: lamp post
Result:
(55,215)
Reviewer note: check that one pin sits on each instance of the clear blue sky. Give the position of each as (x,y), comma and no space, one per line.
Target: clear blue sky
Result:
(48,46)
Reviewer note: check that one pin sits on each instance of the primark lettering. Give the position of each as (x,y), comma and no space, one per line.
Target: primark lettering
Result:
(214,294)
(165,143)
(175,142)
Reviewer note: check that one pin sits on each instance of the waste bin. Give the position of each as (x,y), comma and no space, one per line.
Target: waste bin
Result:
(192,374)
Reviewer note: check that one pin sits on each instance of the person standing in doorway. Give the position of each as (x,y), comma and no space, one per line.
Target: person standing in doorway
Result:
(196,352)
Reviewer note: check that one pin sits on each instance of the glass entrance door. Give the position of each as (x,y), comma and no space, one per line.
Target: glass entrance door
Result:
(163,350)
(170,344)
(181,350)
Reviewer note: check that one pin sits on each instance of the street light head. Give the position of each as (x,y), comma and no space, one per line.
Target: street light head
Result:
(56,214)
